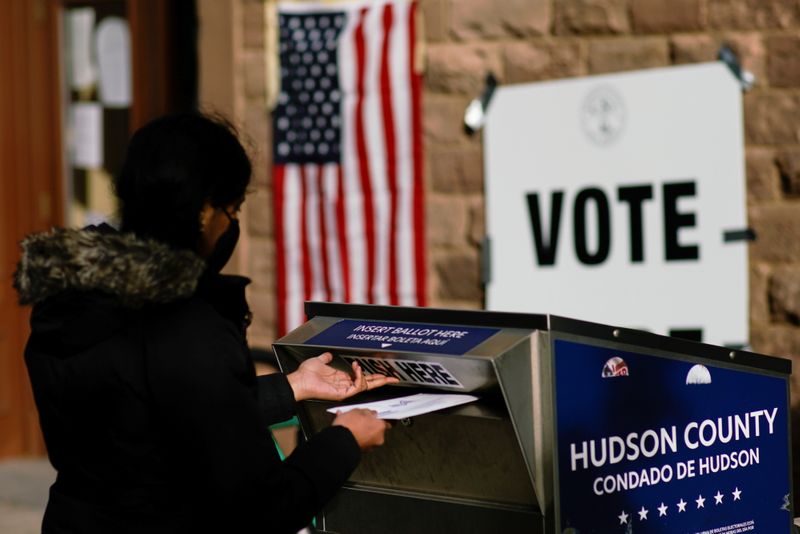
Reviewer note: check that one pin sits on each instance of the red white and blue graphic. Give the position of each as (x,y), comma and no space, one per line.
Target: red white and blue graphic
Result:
(348,189)
(665,452)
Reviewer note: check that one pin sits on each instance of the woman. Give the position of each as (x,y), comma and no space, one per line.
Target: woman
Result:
(148,401)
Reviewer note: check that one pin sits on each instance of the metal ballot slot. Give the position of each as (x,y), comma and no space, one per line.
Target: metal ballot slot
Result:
(577,427)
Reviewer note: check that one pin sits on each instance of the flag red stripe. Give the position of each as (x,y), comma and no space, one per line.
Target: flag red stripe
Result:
(308,281)
(342,229)
(416,113)
(278,175)
(323,230)
(391,150)
(363,158)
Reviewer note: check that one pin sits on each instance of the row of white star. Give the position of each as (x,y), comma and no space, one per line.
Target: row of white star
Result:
(662,510)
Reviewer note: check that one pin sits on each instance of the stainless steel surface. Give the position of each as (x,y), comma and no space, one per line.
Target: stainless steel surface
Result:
(471,466)
(358,511)
(445,455)
(488,466)
(473,370)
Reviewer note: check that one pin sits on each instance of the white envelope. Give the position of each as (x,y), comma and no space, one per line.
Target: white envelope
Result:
(409,406)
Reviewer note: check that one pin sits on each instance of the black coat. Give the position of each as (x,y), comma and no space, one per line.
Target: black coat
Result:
(148,401)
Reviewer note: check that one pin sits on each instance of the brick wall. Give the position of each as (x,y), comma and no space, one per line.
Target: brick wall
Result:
(532,40)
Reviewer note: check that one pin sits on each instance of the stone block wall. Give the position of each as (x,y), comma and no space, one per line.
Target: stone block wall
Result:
(257,245)
(533,40)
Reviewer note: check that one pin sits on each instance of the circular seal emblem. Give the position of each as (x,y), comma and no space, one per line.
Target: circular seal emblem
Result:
(615,366)
(603,115)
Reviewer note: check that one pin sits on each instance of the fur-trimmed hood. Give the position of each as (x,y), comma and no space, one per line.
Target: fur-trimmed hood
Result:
(136,271)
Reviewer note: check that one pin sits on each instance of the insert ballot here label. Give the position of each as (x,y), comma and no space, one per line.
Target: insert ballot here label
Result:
(412,337)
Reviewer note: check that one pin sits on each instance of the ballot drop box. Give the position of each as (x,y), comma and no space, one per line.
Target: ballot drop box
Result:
(577,428)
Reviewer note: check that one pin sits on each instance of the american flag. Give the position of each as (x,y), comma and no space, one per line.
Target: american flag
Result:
(347,154)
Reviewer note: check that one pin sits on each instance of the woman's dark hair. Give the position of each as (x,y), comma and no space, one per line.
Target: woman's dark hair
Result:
(175,164)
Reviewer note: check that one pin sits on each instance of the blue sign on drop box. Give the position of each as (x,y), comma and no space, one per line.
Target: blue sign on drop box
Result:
(650,444)
(412,337)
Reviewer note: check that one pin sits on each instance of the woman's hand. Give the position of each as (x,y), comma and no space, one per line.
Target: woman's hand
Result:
(315,379)
(366,427)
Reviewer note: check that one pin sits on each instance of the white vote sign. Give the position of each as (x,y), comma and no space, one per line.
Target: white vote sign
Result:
(621,199)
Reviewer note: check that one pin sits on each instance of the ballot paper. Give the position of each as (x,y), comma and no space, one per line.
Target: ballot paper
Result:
(409,406)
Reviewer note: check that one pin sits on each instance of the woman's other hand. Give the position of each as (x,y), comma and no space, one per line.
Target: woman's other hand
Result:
(366,427)
(316,379)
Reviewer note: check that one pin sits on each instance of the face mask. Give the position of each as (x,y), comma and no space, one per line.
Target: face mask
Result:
(223,249)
